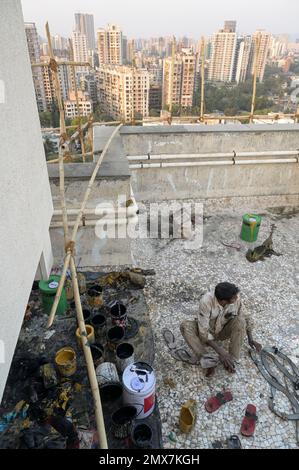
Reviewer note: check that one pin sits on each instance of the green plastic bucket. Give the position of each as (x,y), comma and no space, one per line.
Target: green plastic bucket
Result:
(48,290)
(250,227)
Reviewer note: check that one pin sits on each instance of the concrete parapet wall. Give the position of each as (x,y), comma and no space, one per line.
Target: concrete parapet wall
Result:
(208,180)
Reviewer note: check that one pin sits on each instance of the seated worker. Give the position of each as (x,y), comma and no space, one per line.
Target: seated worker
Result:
(221,316)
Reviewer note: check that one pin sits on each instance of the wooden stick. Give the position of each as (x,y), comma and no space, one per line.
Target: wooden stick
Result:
(76,227)
(68,63)
(81,136)
(257,52)
(89,362)
(202,95)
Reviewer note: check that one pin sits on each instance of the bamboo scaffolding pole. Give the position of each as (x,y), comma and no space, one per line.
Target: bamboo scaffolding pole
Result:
(68,63)
(85,344)
(81,136)
(63,135)
(256,56)
(76,227)
(89,361)
(202,94)
(173,51)
(133,90)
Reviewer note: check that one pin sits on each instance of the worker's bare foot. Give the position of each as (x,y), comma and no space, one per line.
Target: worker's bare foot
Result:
(210,372)
(229,369)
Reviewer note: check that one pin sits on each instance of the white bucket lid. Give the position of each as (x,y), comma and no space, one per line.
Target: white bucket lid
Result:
(139,378)
(53,285)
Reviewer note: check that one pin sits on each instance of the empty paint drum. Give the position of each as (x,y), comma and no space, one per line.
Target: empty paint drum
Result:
(122,421)
(69,289)
(81,283)
(65,361)
(90,335)
(124,356)
(95,296)
(114,337)
(109,384)
(86,315)
(139,382)
(142,435)
(119,315)
(99,324)
(97,352)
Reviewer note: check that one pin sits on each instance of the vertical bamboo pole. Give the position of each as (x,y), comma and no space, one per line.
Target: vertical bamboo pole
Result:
(133,91)
(77,101)
(172,75)
(63,135)
(256,57)
(202,94)
(89,362)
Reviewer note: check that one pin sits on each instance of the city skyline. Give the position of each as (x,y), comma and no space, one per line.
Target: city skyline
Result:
(171,20)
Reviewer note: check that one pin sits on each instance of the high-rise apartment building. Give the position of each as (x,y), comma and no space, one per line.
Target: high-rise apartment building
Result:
(261,43)
(124,91)
(243,53)
(110,45)
(222,62)
(80,50)
(37,73)
(230,26)
(179,79)
(85,25)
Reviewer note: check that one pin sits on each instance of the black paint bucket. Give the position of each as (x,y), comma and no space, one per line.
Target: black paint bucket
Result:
(108,380)
(95,296)
(115,336)
(97,351)
(119,315)
(99,324)
(124,356)
(86,315)
(142,435)
(122,421)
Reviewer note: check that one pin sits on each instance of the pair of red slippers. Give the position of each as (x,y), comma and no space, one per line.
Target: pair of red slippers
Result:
(249,420)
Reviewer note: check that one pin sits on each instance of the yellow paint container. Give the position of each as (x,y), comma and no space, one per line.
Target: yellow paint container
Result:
(90,335)
(188,416)
(66,362)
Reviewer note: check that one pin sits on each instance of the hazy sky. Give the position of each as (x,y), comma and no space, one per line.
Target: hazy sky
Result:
(139,18)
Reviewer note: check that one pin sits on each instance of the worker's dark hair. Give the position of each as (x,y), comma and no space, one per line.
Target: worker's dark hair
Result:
(225,291)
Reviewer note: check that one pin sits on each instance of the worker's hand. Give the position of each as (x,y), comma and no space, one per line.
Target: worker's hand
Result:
(255,345)
(227,360)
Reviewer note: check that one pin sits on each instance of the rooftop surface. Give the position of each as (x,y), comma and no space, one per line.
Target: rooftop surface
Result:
(270,292)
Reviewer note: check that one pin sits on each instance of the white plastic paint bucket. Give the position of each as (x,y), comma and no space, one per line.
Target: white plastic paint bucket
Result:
(139,388)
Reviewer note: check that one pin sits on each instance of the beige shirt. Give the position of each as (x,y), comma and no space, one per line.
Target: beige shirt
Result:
(212,317)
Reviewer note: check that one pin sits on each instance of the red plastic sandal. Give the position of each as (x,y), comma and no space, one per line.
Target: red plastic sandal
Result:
(214,403)
(249,421)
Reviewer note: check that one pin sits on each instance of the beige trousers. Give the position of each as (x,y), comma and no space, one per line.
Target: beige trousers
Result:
(234,330)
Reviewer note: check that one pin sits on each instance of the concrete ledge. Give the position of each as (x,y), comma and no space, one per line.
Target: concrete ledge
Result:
(202,128)
(83,171)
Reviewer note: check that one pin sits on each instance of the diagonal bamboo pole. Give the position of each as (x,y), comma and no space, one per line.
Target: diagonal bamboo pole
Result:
(76,227)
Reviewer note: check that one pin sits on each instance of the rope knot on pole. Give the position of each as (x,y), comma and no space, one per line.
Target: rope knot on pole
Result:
(70,248)
(53,65)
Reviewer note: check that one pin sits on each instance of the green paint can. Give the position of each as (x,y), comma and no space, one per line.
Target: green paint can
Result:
(250,227)
(48,291)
